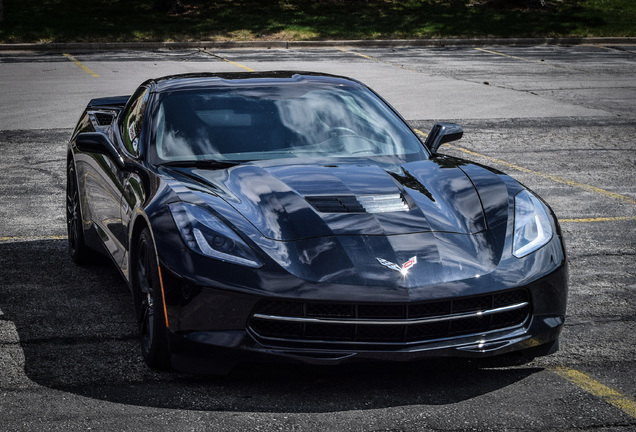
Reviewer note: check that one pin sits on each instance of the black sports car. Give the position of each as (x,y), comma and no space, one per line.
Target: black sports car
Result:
(296,216)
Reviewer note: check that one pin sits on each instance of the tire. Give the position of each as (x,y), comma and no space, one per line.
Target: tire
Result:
(149,303)
(77,249)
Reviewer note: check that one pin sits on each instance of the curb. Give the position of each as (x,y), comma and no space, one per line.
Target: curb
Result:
(406,43)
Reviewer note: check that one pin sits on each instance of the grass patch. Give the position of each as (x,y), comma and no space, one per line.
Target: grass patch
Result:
(139,20)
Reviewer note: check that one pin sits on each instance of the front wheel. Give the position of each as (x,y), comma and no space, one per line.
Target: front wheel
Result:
(77,249)
(149,303)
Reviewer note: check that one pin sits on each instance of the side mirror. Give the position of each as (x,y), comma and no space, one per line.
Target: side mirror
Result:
(442,133)
(97,142)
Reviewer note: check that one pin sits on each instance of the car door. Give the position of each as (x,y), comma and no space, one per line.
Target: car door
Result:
(100,177)
(104,179)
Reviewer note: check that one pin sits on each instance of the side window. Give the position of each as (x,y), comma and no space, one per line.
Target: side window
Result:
(133,120)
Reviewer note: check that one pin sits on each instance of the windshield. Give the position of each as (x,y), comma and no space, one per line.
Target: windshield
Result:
(282,121)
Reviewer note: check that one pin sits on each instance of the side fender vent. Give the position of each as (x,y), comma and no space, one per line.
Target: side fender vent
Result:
(102,118)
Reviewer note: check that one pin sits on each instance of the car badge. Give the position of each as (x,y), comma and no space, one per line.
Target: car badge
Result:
(395,267)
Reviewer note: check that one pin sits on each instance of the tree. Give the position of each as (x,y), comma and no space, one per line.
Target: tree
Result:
(1,11)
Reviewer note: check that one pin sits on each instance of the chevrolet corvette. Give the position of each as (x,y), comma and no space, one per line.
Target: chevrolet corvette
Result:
(297,217)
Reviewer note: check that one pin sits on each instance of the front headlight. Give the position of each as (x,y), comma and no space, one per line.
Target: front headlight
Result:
(532,225)
(205,234)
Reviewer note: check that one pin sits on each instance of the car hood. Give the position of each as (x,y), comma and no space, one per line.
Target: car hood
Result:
(293,201)
(308,218)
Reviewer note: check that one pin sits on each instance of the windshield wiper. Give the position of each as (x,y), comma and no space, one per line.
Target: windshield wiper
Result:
(203,163)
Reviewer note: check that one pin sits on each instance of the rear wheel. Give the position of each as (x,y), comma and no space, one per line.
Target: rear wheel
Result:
(77,249)
(149,302)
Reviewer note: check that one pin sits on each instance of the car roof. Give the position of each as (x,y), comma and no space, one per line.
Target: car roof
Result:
(237,79)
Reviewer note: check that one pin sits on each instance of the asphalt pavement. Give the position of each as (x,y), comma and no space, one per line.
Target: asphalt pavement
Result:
(561,119)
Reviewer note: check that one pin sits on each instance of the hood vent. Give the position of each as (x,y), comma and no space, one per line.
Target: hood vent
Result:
(358,204)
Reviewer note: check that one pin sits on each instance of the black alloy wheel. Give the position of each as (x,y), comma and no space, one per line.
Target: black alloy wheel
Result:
(149,299)
(77,248)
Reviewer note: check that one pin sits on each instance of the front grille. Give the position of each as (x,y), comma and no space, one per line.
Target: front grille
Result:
(283,322)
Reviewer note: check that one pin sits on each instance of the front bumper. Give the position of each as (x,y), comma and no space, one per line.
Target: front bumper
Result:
(211,331)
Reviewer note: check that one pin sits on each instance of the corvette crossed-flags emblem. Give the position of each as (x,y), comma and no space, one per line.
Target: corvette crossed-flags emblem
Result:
(395,267)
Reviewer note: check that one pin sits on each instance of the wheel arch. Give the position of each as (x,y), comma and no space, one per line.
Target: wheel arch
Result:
(157,353)
(84,210)
(138,224)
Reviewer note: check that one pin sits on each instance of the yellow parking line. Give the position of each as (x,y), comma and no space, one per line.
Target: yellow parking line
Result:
(79,63)
(553,178)
(527,60)
(11,239)
(376,59)
(508,55)
(592,386)
(248,69)
(609,48)
(599,219)
(424,134)
(550,176)
(358,54)
(539,173)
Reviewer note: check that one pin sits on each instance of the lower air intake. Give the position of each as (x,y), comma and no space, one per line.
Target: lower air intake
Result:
(289,323)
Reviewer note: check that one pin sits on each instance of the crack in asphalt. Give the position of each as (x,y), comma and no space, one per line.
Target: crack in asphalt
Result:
(569,322)
(75,340)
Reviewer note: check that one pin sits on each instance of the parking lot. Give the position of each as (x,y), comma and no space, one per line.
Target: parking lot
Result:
(562,120)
